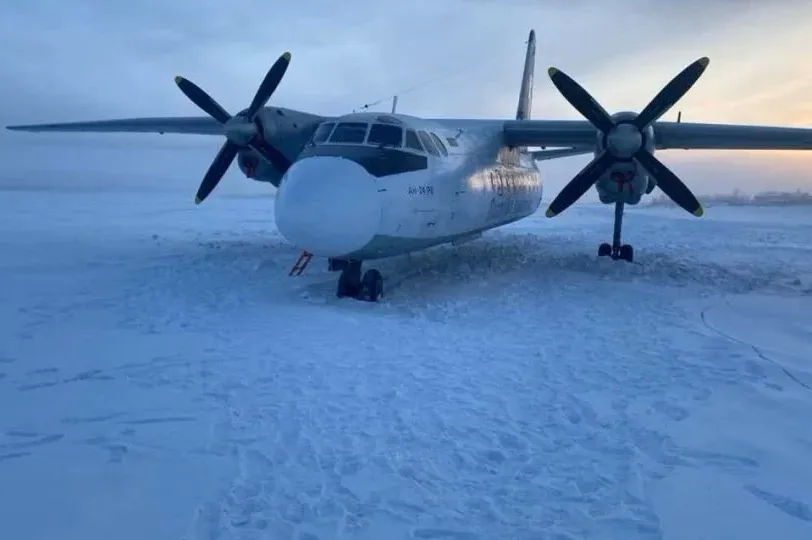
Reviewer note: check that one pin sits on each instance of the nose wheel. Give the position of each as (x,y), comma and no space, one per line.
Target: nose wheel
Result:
(368,287)
(617,250)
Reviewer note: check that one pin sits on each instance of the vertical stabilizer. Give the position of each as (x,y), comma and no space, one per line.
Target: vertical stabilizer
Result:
(526,93)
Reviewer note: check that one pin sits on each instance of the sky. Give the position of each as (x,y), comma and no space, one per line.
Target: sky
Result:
(98,59)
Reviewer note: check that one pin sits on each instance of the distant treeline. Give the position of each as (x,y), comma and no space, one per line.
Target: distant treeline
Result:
(738,198)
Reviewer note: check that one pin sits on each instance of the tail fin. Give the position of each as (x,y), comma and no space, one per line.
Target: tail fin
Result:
(526,93)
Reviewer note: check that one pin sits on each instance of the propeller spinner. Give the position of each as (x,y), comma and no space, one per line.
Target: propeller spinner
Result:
(242,130)
(625,140)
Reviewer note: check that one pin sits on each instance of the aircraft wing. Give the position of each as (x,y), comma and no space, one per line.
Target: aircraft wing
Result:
(555,133)
(579,133)
(730,137)
(555,153)
(200,125)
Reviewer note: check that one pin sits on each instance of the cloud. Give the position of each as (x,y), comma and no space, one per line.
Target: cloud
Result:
(90,59)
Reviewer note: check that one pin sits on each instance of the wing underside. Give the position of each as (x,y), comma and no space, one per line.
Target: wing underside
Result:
(189,125)
(574,133)
(556,153)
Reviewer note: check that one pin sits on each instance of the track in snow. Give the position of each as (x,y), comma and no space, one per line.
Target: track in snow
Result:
(162,377)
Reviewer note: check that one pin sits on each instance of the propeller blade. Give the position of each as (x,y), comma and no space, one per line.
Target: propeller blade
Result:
(271,154)
(671,93)
(269,84)
(202,100)
(239,130)
(583,102)
(216,170)
(580,184)
(669,183)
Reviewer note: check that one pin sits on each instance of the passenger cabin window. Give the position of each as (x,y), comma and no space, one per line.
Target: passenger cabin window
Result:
(322,132)
(428,143)
(349,132)
(439,143)
(386,135)
(412,142)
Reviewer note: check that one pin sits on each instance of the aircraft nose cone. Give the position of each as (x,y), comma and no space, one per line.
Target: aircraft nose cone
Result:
(329,206)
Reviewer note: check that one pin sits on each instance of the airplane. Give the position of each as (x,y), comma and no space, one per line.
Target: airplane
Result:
(369,185)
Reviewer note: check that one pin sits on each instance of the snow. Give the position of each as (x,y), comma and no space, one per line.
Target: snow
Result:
(162,377)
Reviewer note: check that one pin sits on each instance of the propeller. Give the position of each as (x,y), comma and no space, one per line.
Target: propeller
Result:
(242,130)
(626,140)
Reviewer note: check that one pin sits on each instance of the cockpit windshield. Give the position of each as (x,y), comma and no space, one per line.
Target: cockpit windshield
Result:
(386,135)
(382,132)
(349,132)
(322,132)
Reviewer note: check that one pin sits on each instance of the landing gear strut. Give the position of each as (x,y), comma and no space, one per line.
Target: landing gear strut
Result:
(617,250)
(336,265)
(352,284)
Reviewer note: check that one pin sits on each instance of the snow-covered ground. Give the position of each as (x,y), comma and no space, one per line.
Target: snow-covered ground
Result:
(161,377)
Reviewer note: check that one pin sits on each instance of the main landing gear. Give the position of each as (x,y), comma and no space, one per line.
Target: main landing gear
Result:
(617,250)
(352,284)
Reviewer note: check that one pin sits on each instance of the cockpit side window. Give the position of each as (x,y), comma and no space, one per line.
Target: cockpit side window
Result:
(322,132)
(439,143)
(412,142)
(386,135)
(349,132)
(428,143)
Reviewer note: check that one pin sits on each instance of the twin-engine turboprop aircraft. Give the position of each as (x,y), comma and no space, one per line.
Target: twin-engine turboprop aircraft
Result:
(371,185)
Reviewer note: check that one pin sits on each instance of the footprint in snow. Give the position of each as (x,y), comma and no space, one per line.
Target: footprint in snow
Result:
(791,507)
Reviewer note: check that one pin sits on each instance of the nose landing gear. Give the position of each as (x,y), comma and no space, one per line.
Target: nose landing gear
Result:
(352,284)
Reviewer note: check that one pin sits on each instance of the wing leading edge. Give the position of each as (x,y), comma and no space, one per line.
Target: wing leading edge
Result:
(731,137)
(684,135)
(534,133)
(190,125)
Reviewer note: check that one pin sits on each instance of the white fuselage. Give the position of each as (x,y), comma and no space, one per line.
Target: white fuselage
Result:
(331,205)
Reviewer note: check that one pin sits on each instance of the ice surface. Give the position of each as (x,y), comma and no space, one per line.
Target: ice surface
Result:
(162,377)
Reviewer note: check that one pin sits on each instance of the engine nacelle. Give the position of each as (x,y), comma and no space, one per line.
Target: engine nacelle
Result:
(285,129)
(625,181)
(256,168)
